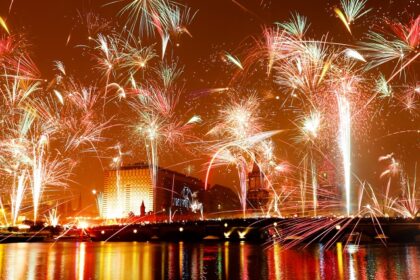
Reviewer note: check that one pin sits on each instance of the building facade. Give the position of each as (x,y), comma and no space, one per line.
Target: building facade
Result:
(257,195)
(130,187)
(125,190)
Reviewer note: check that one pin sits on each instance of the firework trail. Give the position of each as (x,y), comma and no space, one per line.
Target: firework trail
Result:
(407,205)
(116,164)
(4,25)
(99,199)
(37,183)
(345,145)
(234,60)
(36,116)
(352,10)
(240,124)
(314,187)
(48,125)
(324,77)
(153,101)
(141,14)
(309,130)
(393,169)
(400,44)
(53,217)
(165,17)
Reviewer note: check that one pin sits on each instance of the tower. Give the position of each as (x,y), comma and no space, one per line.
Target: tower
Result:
(255,178)
(142,209)
(257,195)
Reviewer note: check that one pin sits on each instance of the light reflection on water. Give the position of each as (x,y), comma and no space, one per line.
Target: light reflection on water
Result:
(218,260)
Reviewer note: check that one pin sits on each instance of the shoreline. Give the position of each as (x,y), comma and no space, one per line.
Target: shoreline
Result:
(292,231)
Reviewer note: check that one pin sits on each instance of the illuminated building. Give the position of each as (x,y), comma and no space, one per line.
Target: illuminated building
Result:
(126,189)
(257,195)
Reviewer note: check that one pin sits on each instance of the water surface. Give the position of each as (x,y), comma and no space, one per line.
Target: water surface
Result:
(217,260)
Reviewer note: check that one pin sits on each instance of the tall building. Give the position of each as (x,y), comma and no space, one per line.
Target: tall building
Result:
(125,190)
(257,195)
(130,187)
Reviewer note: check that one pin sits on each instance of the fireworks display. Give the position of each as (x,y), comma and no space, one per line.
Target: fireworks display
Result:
(289,98)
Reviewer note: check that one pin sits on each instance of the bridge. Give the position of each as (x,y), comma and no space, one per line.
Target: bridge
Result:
(326,229)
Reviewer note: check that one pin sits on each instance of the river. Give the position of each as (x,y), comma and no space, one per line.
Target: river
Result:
(209,260)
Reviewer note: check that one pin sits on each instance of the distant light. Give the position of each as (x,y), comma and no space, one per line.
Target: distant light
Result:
(93,192)
(226,225)
(102,232)
(352,248)
(282,167)
(275,224)
(181,229)
(242,234)
(337,227)
(23,226)
(83,225)
(135,231)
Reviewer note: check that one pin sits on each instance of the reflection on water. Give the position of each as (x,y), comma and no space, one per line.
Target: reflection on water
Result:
(219,260)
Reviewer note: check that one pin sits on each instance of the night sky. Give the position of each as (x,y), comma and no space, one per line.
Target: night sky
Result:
(219,26)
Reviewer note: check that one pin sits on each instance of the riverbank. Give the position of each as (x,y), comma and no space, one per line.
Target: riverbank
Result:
(283,230)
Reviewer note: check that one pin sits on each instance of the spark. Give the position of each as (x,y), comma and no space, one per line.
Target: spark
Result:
(53,217)
(11,5)
(68,39)
(194,119)
(4,25)
(311,124)
(354,54)
(345,145)
(400,45)
(60,67)
(352,10)
(234,60)
(297,26)
(343,18)
(140,14)
(59,96)
(383,88)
